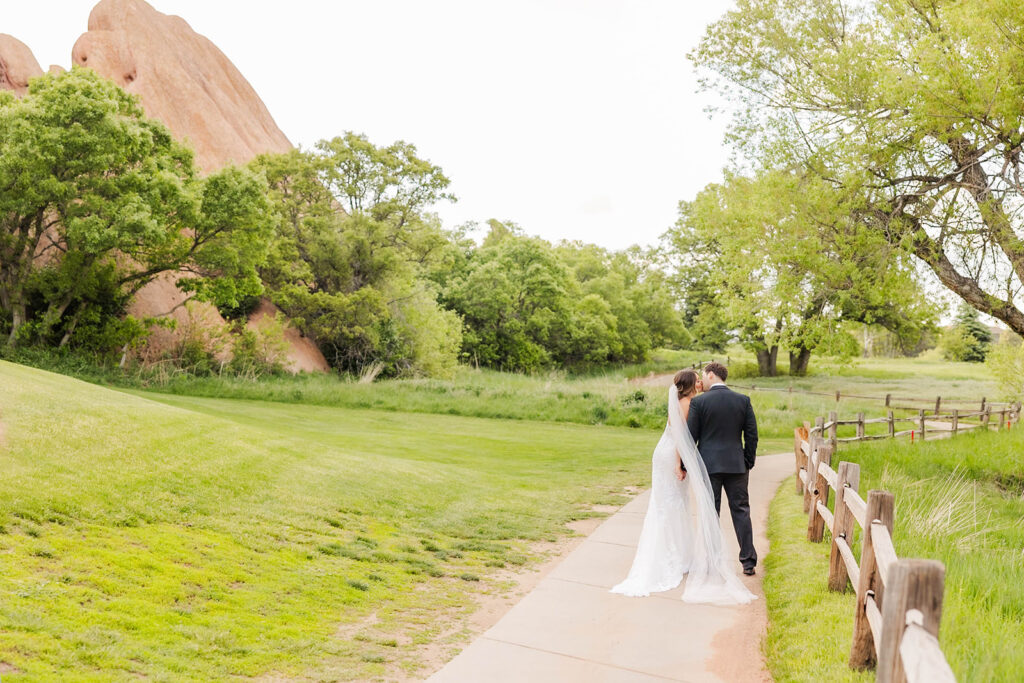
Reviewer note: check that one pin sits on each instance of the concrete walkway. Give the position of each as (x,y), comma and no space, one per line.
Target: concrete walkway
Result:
(570,628)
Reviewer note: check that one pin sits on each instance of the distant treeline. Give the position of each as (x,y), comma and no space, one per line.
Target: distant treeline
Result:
(97,201)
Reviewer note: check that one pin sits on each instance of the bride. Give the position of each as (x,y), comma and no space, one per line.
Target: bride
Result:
(673,543)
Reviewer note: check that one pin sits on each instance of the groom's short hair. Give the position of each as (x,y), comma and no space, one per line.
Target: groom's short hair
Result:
(720,370)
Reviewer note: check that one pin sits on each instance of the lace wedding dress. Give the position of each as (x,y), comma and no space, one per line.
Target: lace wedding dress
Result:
(681,534)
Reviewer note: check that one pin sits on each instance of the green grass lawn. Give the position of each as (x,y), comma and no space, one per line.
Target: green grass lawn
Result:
(180,538)
(960,501)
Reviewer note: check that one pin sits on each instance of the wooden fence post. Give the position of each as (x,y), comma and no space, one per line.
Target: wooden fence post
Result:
(837,396)
(1002,418)
(798,451)
(921,416)
(862,653)
(815,522)
(986,417)
(860,425)
(843,525)
(938,404)
(832,417)
(956,421)
(888,398)
(892,425)
(912,585)
(982,404)
(815,444)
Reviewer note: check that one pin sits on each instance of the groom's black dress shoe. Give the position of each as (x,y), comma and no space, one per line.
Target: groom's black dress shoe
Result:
(749,571)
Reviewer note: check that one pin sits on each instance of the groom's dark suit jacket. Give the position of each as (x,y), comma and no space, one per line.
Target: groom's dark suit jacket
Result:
(724,428)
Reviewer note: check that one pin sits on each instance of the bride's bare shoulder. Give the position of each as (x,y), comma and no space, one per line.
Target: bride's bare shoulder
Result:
(684,405)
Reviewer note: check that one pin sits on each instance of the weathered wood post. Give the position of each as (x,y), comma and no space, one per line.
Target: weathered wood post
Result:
(843,525)
(1002,418)
(888,398)
(921,417)
(860,425)
(832,417)
(892,425)
(837,396)
(813,443)
(801,457)
(862,653)
(938,404)
(912,585)
(986,417)
(956,421)
(819,494)
(982,404)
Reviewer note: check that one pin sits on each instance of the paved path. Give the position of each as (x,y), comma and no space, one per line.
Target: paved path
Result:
(570,628)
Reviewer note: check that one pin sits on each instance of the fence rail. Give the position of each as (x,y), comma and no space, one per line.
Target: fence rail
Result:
(889,400)
(924,424)
(898,601)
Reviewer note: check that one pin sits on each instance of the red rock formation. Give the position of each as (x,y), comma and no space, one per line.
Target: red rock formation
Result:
(185,81)
(17,65)
(182,78)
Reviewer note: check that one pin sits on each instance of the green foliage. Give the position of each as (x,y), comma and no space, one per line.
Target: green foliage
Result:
(528,305)
(909,112)
(259,350)
(99,200)
(781,260)
(1006,364)
(357,281)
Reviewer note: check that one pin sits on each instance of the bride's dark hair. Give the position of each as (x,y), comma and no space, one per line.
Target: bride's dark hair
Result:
(686,382)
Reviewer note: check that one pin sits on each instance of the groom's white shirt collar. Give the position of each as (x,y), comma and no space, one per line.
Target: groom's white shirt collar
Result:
(715,386)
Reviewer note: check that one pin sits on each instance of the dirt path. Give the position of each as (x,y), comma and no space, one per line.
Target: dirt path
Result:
(570,628)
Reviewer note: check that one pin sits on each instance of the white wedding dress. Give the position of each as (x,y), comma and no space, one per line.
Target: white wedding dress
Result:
(681,535)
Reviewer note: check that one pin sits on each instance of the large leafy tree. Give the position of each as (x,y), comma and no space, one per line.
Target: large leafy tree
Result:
(517,303)
(353,252)
(527,304)
(96,201)
(912,110)
(789,266)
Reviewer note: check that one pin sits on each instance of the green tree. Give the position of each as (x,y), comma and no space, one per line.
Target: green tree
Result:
(96,201)
(792,267)
(911,110)
(516,301)
(968,339)
(356,258)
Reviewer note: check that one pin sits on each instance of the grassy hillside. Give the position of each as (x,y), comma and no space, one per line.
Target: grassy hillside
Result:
(960,501)
(184,538)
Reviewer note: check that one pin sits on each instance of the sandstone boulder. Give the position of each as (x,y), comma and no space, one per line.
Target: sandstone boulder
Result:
(182,78)
(185,81)
(17,65)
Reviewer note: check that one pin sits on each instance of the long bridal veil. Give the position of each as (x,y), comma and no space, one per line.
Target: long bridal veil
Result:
(711,578)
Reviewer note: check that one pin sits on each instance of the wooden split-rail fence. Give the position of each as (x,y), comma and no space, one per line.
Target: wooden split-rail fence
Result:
(921,426)
(898,601)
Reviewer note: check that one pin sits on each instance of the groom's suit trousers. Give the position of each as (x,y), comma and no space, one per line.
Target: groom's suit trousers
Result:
(735,486)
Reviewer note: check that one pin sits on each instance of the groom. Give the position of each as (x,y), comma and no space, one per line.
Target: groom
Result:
(724,428)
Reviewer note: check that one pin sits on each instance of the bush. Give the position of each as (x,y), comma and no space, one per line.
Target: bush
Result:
(260,350)
(1006,363)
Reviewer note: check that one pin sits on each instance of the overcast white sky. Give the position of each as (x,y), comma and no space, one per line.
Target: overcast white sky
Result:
(577,119)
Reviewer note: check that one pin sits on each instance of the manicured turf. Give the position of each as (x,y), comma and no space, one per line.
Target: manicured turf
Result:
(184,538)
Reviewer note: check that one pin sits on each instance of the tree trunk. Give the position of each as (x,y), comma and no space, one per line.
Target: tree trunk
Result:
(799,361)
(767,361)
(17,320)
(71,327)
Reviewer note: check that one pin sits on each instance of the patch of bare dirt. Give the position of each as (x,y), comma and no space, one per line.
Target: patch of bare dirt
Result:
(6,668)
(745,637)
(653,380)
